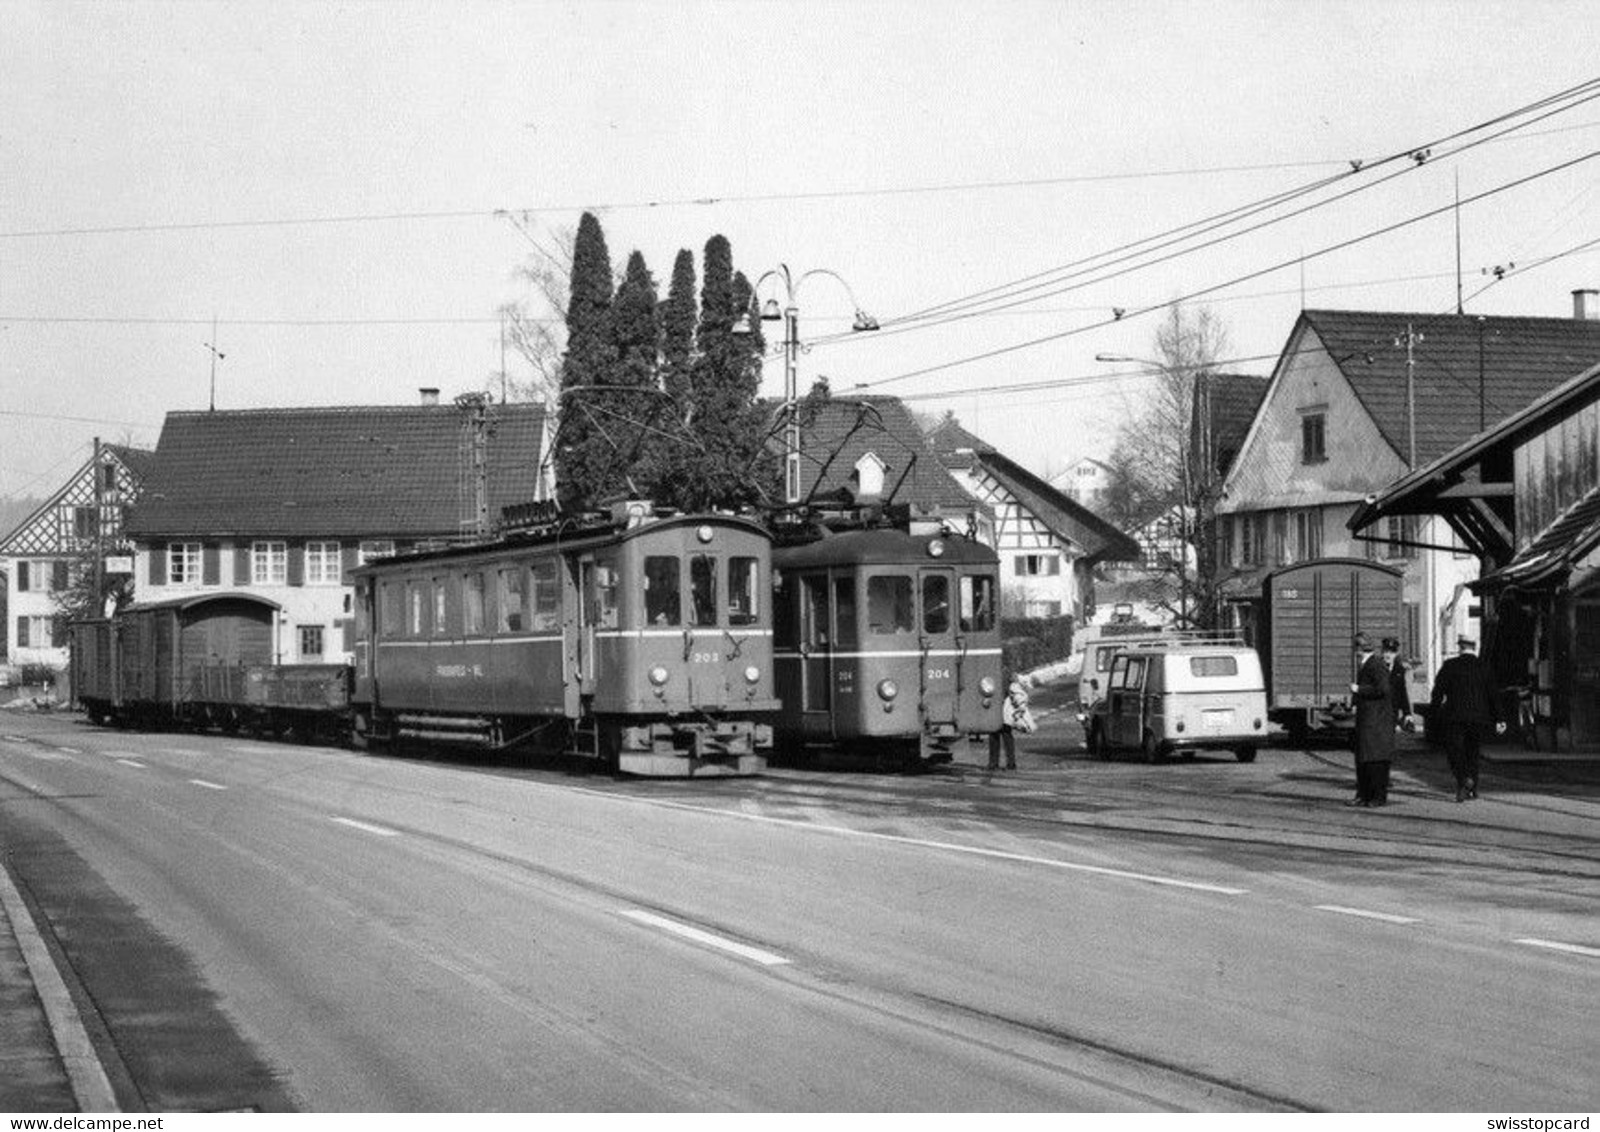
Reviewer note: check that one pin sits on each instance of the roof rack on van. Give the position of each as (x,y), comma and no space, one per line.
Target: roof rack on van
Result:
(1182,638)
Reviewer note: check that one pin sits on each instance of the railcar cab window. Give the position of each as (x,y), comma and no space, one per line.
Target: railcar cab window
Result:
(935,604)
(441,608)
(392,609)
(703,591)
(417,605)
(744,588)
(605,594)
(844,610)
(546,596)
(511,594)
(662,599)
(977,603)
(889,604)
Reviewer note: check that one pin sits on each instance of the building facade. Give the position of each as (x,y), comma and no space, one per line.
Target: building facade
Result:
(47,554)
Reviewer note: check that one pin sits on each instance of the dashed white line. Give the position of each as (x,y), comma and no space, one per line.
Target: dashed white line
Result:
(361,825)
(70,750)
(1570,948)
(754,954)
(208,785)
(1386,917)
(135,763)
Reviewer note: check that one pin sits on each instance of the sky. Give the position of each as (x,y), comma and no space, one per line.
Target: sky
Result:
(349,190)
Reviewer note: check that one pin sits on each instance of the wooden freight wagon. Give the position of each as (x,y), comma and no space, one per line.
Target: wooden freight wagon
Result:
(1309,614)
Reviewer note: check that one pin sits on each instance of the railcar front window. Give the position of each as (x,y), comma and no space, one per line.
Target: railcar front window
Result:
(546,596)
(844,610)
(977,603)
(440,606)
(889,604)
(605,584)
(662,603)
(510,594)
(392,609)
(744,586)
(935,604)
(703,590)
(418,603)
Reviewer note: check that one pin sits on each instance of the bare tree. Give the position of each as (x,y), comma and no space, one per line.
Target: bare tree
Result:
(535,327)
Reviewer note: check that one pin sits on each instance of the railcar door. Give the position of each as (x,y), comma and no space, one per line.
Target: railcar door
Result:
(940,664)
(816,657)
(583,638)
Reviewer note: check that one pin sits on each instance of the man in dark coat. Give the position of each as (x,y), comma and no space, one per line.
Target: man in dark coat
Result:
(1374,737)
(1463,708)
(1399,693)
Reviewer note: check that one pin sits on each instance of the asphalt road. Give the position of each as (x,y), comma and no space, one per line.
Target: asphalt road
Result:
(264,925)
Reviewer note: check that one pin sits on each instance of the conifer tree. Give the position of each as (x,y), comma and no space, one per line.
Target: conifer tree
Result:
(677,333)
(584,448)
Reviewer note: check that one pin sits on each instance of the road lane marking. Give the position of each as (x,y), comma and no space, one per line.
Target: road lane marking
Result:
(1386,917)
(90,1086)
(1570,948)
(208,785)
(755,954)
(974,850)
(135,763)
(70,750)
(378,829)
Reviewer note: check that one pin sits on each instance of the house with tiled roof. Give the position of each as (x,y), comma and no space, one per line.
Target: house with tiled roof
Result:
(1085,480)
(1356,400)
(61,536)
(869,449)
(1225,407)
(282,502)
(1048,542)
(1524,496)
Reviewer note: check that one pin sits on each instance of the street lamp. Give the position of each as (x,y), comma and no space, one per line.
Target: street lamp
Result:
(789,312)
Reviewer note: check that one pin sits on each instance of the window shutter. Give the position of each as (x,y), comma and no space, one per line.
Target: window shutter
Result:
(22,580)
(158,564)
(58,575)
(241,565)
(211,564)
(22,632)
(350,555)
(58,632)
(295,552)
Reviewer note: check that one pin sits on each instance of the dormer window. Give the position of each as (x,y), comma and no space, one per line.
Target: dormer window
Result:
(869,476)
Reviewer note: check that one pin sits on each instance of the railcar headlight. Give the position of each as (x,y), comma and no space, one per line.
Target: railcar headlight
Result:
(658,675)
(986,686)
(888,690)
(703,533)
(936,548)
(752,674)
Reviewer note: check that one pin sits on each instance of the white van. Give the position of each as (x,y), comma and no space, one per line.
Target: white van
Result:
(1182,697)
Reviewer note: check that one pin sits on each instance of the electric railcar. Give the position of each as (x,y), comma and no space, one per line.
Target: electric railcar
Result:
(887,642)
(647,647)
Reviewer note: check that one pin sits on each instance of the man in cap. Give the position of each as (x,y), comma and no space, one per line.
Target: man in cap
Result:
(1374,736)
(1462,707)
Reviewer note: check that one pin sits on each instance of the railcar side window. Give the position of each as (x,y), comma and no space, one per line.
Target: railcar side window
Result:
(815,612)
(783,610)
(392,609)
(546,596)
(472,603)
(844,611)
(417,593)
(662,603)
(441,604)
(889,604)
(935,603)
(977,603)
(703,590)
(744,586)
(510,595)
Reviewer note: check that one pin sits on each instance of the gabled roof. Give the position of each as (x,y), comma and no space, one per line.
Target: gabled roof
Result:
(1065,516)
(379,471)
(1234,399)
(1521,359)
(835,432)
(40,532)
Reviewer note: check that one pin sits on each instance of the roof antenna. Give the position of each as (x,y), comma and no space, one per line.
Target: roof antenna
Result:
(1460,308)
(216,356)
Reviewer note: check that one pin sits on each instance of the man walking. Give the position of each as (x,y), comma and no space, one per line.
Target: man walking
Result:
(1463,707)
(1374,736)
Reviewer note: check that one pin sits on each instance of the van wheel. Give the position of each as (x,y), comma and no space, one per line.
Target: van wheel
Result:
(1245,754)
(1151,749)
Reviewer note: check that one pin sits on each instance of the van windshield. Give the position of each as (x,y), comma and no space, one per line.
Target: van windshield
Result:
(1214,665)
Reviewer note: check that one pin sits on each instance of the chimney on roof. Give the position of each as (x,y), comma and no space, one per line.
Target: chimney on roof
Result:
(1586,304)
(430,394)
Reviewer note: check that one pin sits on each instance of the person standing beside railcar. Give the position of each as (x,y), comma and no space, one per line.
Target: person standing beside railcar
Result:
(1374,734)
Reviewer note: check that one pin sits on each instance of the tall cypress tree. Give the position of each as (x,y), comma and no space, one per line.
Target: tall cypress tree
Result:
(635,418)
(584,454)
(677,333)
